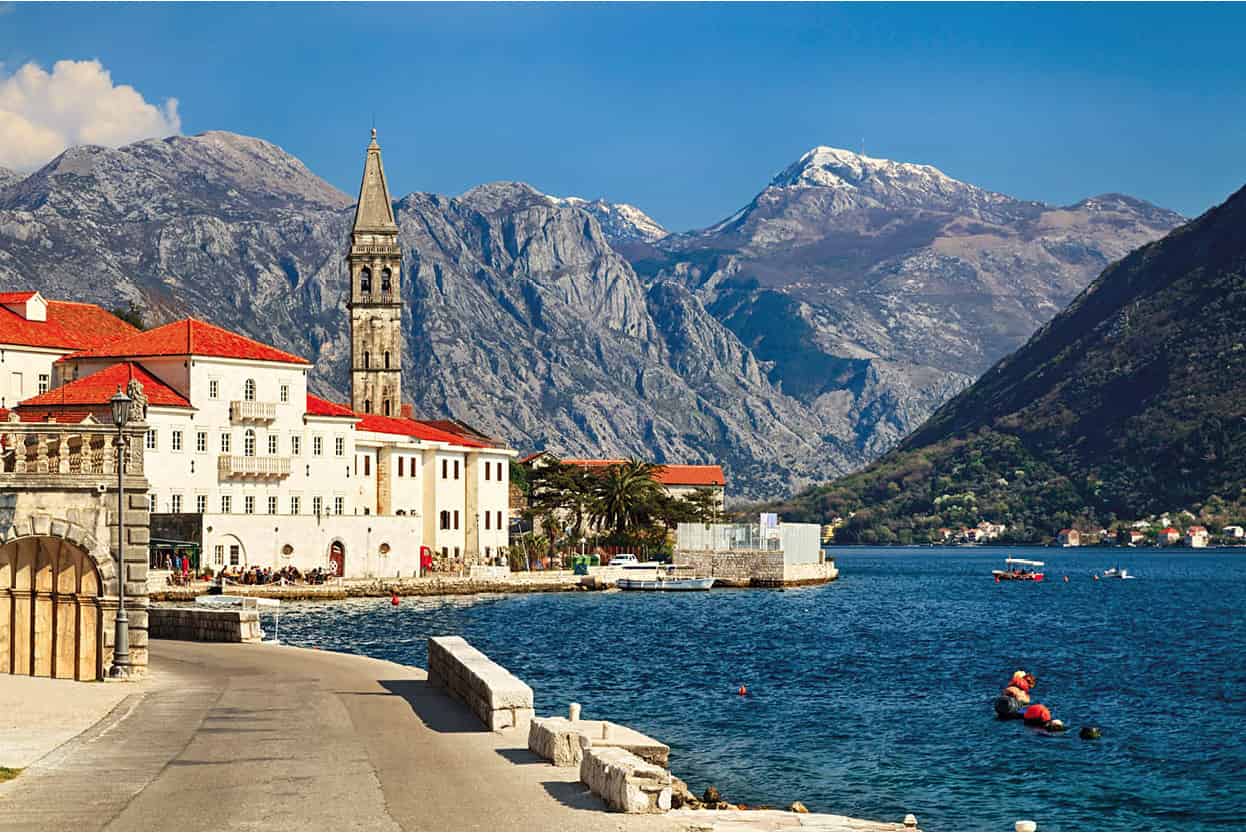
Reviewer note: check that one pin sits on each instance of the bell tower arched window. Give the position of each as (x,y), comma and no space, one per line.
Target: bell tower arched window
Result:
(248,390)
(367,406)
(387,358)
(385,276)
(365,280)
(387,408)
(248,443)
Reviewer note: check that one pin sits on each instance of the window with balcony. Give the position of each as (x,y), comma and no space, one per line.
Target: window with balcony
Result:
(248,390)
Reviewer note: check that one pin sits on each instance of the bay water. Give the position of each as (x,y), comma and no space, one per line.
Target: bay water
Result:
(872,696)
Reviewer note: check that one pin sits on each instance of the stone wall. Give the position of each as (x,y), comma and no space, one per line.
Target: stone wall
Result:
(755,568)
(204,625)
(497,697)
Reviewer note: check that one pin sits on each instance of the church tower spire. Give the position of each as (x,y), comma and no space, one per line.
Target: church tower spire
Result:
(375,295)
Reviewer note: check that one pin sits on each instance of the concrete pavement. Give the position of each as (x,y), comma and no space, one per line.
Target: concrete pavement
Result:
(37,715)
(247,737)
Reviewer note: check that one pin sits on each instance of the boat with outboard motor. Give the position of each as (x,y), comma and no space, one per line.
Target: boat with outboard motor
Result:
(668,578)
(1117,573)
(1025,573)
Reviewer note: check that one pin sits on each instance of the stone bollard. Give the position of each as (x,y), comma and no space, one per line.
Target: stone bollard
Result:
(1026,825)
(605,729)
(910,821)
(573,711)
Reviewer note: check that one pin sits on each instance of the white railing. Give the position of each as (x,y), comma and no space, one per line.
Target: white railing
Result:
(244,466)
(797,542)
(253,410)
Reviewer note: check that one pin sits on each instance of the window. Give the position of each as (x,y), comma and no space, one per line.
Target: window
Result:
(272,505)
(175,504)
(225,443)
(487,520)
(218,554)
(214,391)
(445,553)
(365,280)
(339,446)
(367,406)
(295,501)
(317,505)
(151,439)
(201,504)
(367,359)
(488,552)
(456,519)
(227,504)
(296,445)
(177,441)
(285,393)
(235,554)
(488,469)
(412,467)
(444,468)
(338,505)
(445,520)
(272,444)
(499,519)
(201,441)
(387,359)
(317,446)
(248,504)
(385,277)
(367,464)
(456,553)
(400,461)
(248,443)
(151,503)
(386,408)
(43,383)
(456,470)
(248,390)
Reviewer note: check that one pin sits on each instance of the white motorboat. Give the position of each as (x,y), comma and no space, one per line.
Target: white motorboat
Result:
(1117,573)
(668,578)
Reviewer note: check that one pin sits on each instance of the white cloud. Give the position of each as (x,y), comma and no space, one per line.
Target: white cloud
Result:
(43,113)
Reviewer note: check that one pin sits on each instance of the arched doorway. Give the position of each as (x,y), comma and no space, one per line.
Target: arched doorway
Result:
(337,559)
(51,623)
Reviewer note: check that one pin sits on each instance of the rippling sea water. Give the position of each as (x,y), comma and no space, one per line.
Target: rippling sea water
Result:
(872,696)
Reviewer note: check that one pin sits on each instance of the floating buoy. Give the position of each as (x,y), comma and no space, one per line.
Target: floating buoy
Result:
(393,600)
(742,691)
(1066,579)
(1096,577)
(1089,733)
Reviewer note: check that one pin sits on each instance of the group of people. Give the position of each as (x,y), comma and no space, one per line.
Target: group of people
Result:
(256,575)
(1014,703)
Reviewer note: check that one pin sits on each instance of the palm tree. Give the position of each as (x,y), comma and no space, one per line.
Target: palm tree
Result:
(625,496)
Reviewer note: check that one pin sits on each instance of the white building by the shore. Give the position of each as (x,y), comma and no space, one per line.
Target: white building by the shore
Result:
(243,461)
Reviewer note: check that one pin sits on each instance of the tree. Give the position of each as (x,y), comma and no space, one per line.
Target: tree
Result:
(626,496)
(132,314)
(705,506)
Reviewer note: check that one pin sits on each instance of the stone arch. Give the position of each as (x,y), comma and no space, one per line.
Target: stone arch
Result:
(52,608)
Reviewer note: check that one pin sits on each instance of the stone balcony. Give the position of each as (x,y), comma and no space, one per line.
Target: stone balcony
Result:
(252,411)
(253,466)
(87,450)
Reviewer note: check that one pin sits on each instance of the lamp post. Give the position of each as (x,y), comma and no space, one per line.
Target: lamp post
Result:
(121,643)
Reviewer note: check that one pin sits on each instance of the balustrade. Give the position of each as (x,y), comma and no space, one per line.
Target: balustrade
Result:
(34,449)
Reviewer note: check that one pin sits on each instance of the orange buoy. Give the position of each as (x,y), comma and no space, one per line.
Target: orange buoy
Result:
(742,691)
(393,600)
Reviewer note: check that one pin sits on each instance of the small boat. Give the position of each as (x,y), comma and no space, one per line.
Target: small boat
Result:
(1117,573)
(1025,573)
(668,580)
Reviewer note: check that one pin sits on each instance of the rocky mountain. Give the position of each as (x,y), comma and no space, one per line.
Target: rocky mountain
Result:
(1128,403)
(7,177)
(876,289)
(795,341)
(620,222)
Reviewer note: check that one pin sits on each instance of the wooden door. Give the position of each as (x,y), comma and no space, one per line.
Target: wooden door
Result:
(51,624)
(337,559)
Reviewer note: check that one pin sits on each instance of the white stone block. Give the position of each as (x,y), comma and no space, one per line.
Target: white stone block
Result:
(626,782)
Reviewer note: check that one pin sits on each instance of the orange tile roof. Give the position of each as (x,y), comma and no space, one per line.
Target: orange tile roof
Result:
(318,407)
(16,297)
(99,387)
(668,474)
(414,428)
(190,337)
(70,325)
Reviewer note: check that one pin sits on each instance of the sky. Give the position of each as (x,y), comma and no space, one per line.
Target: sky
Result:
(685,110)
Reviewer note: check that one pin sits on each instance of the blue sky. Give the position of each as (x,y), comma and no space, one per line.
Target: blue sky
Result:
(688,110)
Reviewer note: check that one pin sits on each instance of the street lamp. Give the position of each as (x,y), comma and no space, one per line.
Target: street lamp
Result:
(121,643)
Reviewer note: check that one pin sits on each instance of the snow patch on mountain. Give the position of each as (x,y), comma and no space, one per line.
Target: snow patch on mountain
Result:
(620,221)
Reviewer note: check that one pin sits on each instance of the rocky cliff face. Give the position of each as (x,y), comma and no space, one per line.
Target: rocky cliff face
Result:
(796,341)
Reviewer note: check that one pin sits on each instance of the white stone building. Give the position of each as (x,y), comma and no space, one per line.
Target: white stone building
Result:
(244,461)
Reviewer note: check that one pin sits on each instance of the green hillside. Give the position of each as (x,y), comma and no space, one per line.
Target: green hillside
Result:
(1131,402)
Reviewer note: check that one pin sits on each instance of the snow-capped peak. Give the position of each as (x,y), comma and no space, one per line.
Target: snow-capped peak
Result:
(620,221)
(837,168)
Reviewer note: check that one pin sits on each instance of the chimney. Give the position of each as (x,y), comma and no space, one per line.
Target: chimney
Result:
(408,411)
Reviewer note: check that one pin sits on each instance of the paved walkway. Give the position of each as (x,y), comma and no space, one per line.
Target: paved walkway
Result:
(37,715)
(246,737)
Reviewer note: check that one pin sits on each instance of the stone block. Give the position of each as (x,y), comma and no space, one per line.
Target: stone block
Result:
(60,528)
(556,740)
(137,535)
(138,501)
(625,782)
(41,525)
(561,741)
(498,698)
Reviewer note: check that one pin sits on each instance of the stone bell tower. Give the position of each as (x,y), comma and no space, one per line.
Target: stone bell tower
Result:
(375,296)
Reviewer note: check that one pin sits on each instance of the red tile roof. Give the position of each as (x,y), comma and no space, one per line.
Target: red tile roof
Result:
(668,474)
(318,407)
(415,428)
(16,297)
(99,387)
(70,325)
(190,337)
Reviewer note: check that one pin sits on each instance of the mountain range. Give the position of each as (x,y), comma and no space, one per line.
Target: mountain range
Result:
(1128,404)
(794,341)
